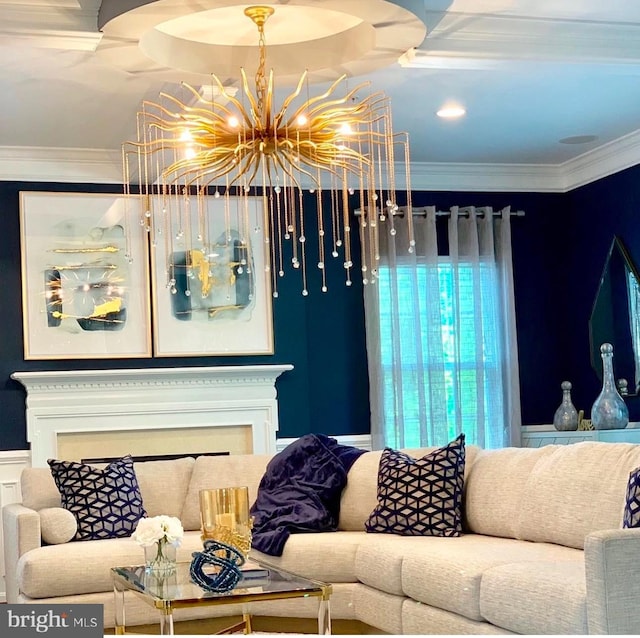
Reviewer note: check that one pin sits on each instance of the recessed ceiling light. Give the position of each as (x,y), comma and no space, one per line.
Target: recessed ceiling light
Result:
(451,111)
(578,139)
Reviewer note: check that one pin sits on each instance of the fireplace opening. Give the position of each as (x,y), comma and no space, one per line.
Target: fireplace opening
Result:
(151,457)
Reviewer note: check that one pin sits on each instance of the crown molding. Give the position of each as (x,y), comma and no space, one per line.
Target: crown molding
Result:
(600,162)
(103,166)
(427,176)
(39,164)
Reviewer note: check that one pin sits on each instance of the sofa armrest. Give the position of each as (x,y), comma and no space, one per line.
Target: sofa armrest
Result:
(612,564)
(20,534)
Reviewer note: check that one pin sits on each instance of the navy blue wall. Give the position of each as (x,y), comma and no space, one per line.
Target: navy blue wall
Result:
(322,335)
(559,249)
(542,317)
(597,212)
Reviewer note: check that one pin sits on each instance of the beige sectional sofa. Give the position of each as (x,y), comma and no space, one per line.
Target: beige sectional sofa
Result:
(543,550)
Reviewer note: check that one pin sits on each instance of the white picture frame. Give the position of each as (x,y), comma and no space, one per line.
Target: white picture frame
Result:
(85,277)
(234,315)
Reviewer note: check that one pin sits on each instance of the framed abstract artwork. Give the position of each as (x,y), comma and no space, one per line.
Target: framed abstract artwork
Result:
(211,294)
(85,277)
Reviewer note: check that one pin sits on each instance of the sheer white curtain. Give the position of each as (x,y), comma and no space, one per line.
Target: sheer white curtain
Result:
(441,336)
(633,293)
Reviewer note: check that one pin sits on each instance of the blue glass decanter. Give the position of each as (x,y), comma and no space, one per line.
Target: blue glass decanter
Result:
(566,416)
(609,411)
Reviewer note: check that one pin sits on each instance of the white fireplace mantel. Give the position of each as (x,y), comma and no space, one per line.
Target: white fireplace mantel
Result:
(81,401)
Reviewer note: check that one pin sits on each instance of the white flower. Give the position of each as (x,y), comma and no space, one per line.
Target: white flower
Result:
(167,529)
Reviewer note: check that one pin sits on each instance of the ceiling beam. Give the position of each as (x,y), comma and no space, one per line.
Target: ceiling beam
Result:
(64,26)
(461,40)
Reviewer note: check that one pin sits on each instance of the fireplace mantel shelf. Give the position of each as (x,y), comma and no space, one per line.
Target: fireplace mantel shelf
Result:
(81,401)
(53,380)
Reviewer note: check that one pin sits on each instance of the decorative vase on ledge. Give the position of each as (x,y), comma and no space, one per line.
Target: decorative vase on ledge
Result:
(566,417)
(609,411)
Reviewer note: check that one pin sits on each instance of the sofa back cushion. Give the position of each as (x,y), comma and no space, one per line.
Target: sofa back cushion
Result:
(163,486)
(494,489)
(209,472)
(575,490)
(38,488)
(360,496)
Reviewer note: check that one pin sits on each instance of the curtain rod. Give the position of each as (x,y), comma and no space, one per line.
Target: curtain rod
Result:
(463,211)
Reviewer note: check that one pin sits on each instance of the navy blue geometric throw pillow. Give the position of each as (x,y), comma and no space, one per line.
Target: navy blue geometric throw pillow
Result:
(420,497)
(106,502)
(631,517)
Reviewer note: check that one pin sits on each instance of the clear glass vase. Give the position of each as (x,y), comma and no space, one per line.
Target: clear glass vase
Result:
(566,417)
(609,411)
(160,558)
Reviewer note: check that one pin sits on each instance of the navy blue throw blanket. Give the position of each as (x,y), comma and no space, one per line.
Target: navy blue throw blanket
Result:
(300,491)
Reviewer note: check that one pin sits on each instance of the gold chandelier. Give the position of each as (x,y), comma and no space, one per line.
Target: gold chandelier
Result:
(339,151)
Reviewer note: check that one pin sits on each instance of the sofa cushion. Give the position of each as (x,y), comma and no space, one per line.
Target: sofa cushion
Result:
(57,525)
(235,470)
(445,572)
(106,502)
(494,487)
(631,516)
(418,497)
(84,567)
(563,501)
(326,556)
(535,598)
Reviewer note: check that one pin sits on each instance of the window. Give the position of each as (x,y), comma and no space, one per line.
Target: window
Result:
(449,357)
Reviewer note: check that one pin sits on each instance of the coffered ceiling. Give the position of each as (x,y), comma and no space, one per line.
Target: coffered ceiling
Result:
(551,89)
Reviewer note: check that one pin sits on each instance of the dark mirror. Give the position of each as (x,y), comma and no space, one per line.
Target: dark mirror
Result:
(615,317)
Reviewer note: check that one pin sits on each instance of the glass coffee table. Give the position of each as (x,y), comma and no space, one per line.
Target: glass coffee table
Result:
(178,591)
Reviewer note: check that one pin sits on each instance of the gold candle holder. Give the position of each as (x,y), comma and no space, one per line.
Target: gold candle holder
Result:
(224,515)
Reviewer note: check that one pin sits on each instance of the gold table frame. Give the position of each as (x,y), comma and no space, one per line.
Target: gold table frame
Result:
(181,592)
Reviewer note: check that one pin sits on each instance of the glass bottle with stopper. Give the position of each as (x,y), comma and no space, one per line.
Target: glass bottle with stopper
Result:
(623,387)
(566,416)
(609,411)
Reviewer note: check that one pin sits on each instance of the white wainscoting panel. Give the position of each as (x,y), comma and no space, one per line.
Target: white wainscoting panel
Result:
(362,441)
